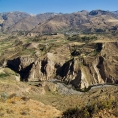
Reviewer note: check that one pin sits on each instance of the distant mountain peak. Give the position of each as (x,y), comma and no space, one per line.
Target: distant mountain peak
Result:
(99,12)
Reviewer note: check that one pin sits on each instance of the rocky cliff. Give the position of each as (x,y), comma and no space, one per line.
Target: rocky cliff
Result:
(96,66)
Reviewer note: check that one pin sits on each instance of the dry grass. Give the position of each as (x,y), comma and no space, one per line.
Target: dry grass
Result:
(20,108)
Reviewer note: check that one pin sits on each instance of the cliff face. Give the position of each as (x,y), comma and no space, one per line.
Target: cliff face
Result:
(88,71)
(82,75)
(81,71)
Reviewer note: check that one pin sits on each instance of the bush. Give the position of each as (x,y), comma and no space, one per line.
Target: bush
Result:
(76,113)
(89,110)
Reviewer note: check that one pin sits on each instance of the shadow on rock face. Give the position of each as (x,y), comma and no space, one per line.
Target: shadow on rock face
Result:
(14,65)
(101,68)
(24,73)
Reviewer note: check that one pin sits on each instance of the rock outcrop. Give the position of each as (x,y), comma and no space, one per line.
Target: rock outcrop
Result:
(87,71)
(32,69)
(81,71)
(44,69)
(83,75)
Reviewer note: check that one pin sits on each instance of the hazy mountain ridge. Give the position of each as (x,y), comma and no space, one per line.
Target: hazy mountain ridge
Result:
(20,21)
(79,21)
(10,18)
(115,12)
(82,21)
(28,23)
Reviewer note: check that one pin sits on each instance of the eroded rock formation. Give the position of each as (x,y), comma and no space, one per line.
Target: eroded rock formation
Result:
(81,71)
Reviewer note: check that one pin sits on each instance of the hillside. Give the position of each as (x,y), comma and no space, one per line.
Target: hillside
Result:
(10,18)
(19,21)
(94,21)
(28,23)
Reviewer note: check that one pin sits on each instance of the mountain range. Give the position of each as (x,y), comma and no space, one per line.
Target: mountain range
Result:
(82,21)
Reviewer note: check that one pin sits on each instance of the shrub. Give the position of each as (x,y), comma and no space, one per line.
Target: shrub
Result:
(76,113)
(89,110)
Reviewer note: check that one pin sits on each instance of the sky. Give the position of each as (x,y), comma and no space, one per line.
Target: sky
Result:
(57,6)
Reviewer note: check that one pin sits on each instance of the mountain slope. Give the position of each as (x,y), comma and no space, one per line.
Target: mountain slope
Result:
(62,21)
(96,20)
(10,18)
(28,23)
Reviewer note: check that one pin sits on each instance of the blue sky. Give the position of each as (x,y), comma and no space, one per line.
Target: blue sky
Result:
(64,6)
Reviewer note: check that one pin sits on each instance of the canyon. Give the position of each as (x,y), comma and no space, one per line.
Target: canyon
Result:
(55,64)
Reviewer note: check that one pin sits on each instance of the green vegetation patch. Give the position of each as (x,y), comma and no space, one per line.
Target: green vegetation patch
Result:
(2,75)
(82,38)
